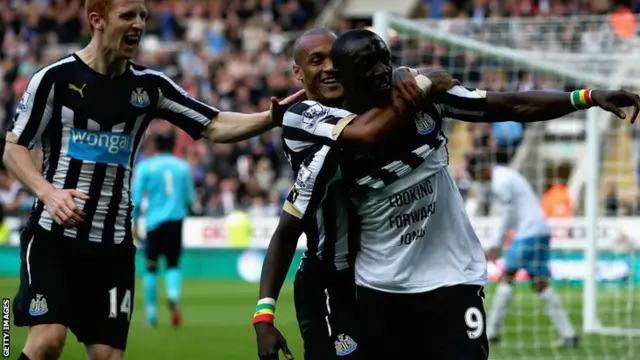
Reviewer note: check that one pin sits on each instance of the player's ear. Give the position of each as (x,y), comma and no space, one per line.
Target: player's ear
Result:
(96,21)
(297,73)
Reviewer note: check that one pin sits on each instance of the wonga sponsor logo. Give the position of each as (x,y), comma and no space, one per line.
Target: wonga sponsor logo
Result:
(100,146)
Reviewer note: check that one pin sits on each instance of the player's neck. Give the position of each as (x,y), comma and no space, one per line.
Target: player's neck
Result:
(101,60)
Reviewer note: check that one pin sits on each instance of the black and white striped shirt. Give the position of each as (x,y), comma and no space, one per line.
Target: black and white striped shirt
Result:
(90,127)
(415,235)
(319,197)
(417,141)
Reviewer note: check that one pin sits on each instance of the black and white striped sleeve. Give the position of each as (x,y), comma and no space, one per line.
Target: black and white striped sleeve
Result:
(314,176)
(309,123)
(34,110)
(462,103)
(179,108)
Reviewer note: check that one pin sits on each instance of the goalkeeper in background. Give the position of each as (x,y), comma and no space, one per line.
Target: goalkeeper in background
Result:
(529,250)
(166,181)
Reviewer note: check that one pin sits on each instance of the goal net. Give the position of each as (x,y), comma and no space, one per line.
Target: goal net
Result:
(584,167)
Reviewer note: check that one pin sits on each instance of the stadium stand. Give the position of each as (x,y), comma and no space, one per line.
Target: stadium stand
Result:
(235,54)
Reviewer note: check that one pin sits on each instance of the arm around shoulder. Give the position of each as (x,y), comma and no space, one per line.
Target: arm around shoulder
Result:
(329,124)
(369,127)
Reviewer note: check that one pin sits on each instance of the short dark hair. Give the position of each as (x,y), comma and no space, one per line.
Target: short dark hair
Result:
(315,31)
(164,142)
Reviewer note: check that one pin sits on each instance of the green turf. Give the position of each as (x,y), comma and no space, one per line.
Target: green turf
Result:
(217,325)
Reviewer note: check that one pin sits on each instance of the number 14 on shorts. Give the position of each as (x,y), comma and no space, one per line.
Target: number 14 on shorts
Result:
(125,304)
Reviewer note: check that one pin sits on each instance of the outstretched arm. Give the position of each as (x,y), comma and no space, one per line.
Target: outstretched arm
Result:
(201,120)
(529,106)
(229,127)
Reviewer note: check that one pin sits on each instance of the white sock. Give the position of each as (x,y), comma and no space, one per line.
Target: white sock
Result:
(501,300)
(556,312)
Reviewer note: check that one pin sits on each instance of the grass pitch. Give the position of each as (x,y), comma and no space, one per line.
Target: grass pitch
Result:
(217,325)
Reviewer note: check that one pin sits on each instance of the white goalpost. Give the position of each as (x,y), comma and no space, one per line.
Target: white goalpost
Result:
(594,248)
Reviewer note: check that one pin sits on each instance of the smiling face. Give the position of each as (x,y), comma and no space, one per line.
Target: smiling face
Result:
(119,24)
(314,67)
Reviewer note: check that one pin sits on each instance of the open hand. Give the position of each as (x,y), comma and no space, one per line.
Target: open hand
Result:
(270,342)
(613,101)
(62,207)
(279,107)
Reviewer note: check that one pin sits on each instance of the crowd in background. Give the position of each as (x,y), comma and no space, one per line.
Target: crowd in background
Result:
(479,10)
(236,54)
(232,54)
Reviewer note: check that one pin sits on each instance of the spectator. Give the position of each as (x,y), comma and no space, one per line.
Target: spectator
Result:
(611,200)
(556,202)
(235,54)
(507,135)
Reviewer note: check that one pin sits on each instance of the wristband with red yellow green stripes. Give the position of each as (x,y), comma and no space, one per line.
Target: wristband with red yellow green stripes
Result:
(581,99)
(265,311)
